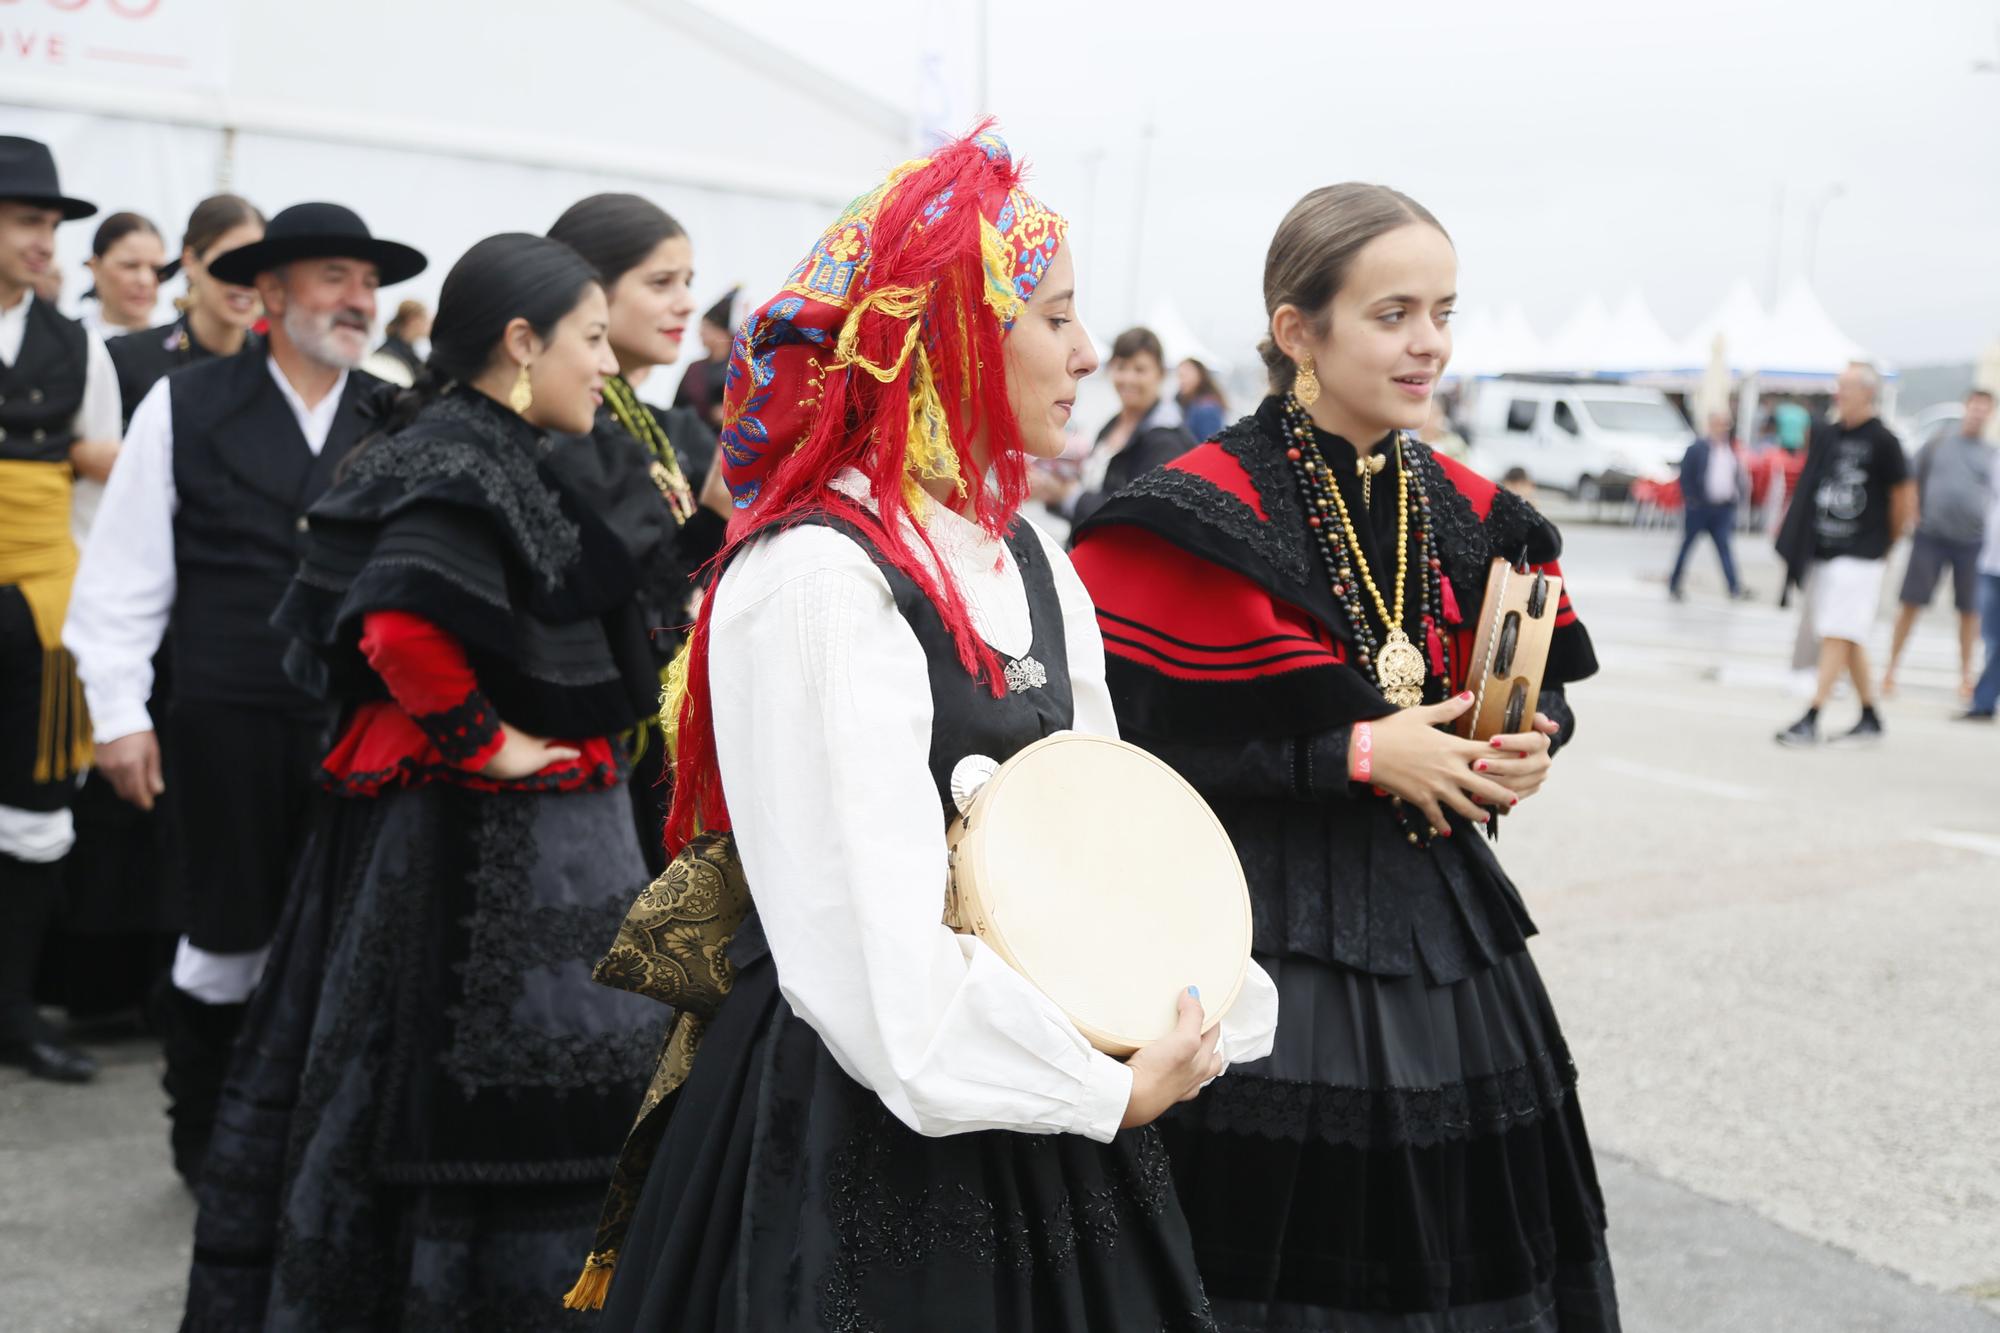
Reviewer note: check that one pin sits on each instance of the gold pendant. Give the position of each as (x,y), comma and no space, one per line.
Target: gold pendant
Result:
(1399,670)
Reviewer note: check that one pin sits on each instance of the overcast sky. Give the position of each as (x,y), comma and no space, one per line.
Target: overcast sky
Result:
(1568,147)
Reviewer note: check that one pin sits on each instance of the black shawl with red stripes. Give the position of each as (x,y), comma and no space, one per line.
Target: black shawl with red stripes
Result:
(1228,656)
(1216,611)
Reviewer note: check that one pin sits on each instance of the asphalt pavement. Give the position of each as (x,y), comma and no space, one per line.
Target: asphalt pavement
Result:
(1775,968)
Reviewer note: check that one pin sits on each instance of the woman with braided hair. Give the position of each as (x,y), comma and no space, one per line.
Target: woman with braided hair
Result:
(1289,611)
(886,1127)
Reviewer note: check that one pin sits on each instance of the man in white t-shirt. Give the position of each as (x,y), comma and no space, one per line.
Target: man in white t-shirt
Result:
(1855,500)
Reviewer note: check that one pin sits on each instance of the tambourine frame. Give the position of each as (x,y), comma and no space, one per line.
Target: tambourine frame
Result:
(1510,651)
(966,910)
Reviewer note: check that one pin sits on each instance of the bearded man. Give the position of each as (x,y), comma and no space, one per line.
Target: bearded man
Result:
(195,542)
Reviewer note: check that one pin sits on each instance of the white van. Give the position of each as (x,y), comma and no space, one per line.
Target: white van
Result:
(1588,440)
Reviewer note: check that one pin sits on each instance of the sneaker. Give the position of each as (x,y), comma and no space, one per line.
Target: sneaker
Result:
(1803,732)
(1743,595)
(1972,715)
(1869,728)
(1676,594)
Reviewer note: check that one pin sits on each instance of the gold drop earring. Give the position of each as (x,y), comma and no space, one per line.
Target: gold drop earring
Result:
(522,396)
(1305,387)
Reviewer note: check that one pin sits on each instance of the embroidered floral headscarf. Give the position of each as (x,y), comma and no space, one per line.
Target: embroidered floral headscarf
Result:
(881,353)
(847,307)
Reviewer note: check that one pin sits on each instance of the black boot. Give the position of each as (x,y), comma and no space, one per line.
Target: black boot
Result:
(1803,732)
(27,897)
(1869,728)
(197,1038)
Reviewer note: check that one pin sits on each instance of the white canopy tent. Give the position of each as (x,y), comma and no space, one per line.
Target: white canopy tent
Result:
(1579,344)
(480,122)
(1634,342)
(1485,345)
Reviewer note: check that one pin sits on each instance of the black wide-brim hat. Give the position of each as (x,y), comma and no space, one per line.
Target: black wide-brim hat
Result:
(28,174)
(317,231)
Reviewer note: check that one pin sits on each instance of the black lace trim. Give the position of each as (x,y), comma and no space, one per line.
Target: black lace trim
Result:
(508,937)
(463,730)
(1283,543)
(339,1277)
(880,1227)
(505,475)
(1212,506)
(1375,1118)
(413,772)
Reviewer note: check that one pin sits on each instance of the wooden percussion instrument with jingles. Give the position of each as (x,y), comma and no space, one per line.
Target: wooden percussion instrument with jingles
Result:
(1096,872)
(1517,623)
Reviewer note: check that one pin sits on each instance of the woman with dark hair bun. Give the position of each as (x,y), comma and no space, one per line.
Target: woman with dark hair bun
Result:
(430,1092)
(126,257)
(215,317)
(642,468)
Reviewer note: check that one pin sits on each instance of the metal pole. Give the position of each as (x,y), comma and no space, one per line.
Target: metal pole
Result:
(1139,221)
(1827,196)
(1777,247)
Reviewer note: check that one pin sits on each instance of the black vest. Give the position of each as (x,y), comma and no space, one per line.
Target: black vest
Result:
(245,477)
(143,359)
(41,391)
(965,717)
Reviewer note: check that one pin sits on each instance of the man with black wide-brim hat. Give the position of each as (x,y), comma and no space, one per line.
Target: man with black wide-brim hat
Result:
(58,421)
(199,533)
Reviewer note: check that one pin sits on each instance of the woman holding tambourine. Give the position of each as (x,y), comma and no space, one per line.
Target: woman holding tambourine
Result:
(886,1126)
(1337,636)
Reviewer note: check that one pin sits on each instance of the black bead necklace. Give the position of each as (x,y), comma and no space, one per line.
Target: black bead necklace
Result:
(1346,564)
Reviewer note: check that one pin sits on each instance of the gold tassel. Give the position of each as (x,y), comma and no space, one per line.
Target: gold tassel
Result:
(895,302)
(593,1284)
(63,745)
(928,455)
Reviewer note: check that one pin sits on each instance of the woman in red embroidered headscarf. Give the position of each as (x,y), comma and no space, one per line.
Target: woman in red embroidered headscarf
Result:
(886,1127)
(1289,610)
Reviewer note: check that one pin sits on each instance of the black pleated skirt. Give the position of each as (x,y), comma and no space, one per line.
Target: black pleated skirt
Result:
(424,1107)
(785,1197)
(1409,1159)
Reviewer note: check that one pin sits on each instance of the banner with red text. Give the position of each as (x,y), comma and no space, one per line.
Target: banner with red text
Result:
(159,44)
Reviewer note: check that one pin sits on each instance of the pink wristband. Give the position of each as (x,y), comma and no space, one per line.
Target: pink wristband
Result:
(1360,751)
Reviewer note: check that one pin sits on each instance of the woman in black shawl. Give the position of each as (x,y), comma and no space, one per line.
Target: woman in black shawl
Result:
(1287,614)
(429,1093)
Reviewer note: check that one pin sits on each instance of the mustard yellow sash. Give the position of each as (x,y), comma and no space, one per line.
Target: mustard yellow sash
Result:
(38,556)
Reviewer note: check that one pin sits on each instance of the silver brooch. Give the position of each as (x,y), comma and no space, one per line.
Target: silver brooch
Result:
(1024,674)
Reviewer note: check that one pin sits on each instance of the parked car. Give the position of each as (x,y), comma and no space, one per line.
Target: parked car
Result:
(1587,440)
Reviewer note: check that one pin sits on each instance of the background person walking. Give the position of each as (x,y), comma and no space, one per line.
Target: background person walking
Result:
(1954,473)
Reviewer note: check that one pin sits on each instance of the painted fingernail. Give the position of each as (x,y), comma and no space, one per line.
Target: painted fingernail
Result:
(1479,767)
(1466,697)
(1195,991)
(1499,743)
(1515,801)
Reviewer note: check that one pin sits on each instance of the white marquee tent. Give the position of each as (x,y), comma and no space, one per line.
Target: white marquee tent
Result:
(480,121)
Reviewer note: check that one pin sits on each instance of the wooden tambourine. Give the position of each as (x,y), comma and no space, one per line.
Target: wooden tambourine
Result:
(1096,872)
(1517,623)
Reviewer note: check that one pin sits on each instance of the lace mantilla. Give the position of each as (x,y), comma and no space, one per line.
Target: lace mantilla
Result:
(1274,541)
(499,465)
